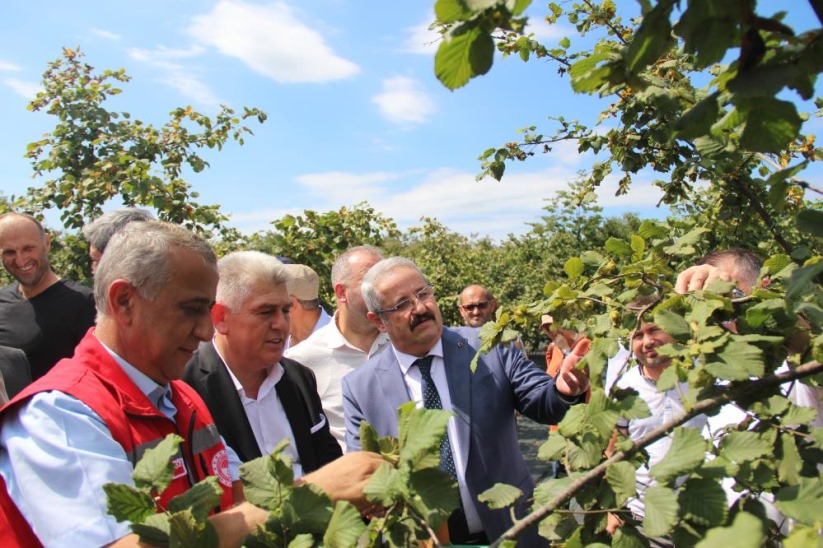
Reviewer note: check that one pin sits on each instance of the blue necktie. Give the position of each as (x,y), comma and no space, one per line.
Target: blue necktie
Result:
(431,400)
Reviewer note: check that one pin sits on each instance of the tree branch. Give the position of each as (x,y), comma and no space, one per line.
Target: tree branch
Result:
(702,406)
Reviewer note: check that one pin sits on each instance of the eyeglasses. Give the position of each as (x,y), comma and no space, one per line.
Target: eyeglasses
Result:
(425,294)
(483,305)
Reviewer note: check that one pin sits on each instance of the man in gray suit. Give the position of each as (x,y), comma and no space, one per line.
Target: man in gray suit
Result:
(431,365)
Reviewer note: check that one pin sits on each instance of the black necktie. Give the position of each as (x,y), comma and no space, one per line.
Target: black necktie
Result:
(431,399)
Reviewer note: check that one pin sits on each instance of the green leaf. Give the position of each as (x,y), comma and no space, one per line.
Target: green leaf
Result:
(309,509)
(629,537)
(154,470)
(798,415)
(623,481)
(383,487)
(810,221)
(673,324)
(345,526)
(802,278)
(771,124)
(573,268)
(699,119)
(500,496)
(155,531)
(260,486)
(789,461)
(127,503)
(744,356)
(652,39)
(742,447)
(436,494)
(368,438)
(684,245)
(451,11)
(187,531)
(553,448)
(618,247)
(638,246)
(661,511)
(550,489)
(687,452)
(802,501)
(201,499)
(703,502)
(802,537)
(467,52)
(586,74)
(746,532)
(420,432)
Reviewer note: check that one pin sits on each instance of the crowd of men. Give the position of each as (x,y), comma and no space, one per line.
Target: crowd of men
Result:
(237,354)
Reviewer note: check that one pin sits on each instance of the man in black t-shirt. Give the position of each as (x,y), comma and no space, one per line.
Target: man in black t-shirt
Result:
(41,314)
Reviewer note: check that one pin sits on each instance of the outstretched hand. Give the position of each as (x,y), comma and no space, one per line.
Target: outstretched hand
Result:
(570,381)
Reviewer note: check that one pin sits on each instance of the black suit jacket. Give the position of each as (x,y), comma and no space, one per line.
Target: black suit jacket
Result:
(297,390)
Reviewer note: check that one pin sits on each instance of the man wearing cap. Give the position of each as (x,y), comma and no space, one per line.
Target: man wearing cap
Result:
(307,315)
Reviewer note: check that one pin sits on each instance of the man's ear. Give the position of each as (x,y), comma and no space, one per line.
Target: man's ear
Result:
(377,320)
(219,317)
(121,297)
(340,293)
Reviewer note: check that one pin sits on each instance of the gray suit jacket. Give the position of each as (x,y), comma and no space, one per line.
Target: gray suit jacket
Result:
(484,403)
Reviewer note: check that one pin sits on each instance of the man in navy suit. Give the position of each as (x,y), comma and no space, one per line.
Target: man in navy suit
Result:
(256,396)
(481,436)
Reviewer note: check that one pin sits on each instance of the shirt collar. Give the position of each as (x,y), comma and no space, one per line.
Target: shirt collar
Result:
(407,360)
(153,391)
(273,374)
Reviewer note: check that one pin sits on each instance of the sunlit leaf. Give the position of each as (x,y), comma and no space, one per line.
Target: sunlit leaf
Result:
(687,452)
(500,496)
(661,510)
(345,526)
(154,469)
(745,532)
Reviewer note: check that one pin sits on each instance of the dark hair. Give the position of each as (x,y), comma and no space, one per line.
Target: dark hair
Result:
(746,262)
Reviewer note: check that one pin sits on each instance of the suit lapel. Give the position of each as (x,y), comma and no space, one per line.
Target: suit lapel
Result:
(457,356)
(297,413)
(392,384)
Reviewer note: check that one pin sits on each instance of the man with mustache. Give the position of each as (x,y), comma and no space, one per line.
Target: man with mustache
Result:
(42,314)
(430,364)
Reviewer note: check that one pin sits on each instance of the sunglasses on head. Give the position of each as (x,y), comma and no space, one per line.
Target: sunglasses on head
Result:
(476,306)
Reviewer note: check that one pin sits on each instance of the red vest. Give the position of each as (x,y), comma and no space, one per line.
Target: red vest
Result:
(93,377)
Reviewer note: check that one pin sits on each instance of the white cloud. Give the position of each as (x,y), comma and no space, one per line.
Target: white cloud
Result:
(9,67)
(459,201)
(421,39)
(176,75)
(272,41)
(108,35)
(544,32)
(27,90)
(402,101)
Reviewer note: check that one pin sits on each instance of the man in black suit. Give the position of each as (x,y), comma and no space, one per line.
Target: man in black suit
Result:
(256,396)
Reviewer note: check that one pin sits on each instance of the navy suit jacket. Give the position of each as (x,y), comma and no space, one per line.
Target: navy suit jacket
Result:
(297,390)
(484,403)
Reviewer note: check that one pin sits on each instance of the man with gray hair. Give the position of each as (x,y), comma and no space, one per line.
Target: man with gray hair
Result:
(256,396)
(348,341)
(99,231)
(90,419)
(431,365)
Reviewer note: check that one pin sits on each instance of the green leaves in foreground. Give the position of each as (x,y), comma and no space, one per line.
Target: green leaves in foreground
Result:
(184,521)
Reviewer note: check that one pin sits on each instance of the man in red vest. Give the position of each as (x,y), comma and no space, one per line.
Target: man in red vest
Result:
(92,416)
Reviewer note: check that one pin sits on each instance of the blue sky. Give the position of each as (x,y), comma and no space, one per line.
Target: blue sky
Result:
(355,111)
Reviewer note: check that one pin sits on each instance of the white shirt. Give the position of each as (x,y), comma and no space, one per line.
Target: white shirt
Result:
(664,406)
(267,416)
(331,357)
(414,384)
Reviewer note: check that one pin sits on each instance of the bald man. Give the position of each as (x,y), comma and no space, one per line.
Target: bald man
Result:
(476,305)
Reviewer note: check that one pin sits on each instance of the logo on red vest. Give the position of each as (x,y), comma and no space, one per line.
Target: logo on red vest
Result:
(179,466)
(220,465)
